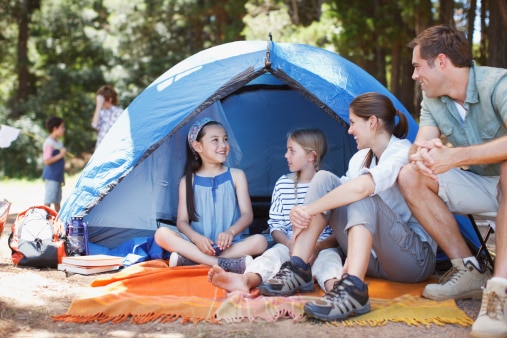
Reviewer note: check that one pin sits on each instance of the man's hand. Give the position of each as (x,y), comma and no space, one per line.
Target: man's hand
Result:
(423,160)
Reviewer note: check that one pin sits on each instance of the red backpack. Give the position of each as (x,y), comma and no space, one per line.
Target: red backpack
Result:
(37,238)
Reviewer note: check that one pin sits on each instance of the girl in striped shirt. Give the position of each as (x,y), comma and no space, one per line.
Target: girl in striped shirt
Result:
(305,150)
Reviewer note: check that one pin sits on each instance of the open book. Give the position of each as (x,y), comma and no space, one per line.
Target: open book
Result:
(93,260)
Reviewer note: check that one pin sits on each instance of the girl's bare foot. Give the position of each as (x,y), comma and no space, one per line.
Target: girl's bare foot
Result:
(228,281)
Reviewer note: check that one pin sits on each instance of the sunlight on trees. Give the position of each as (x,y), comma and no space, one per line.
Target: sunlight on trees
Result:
(72,48)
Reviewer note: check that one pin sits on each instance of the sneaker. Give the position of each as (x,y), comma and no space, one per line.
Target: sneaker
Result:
(178,260)
(492,319)
(344,301)
(237,265)
(460,282)
(287,281)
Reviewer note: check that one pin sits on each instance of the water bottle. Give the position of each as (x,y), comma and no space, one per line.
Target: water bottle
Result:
(77,237)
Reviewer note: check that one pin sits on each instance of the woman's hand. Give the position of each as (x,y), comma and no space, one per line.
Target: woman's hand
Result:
(300,220)
(299,217)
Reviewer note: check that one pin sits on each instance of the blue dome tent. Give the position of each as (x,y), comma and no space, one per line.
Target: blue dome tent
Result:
(258,90)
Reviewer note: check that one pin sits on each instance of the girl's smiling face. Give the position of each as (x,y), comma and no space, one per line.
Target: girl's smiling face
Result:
(214,144)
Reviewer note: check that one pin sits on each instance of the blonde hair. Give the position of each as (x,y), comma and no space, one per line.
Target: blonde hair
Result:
(311,140)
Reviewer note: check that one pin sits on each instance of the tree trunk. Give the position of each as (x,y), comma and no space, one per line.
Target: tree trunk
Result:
(446,13)
(471,22)
(497,35)
(395,68)
(423,20)
(483,46)
(23,63)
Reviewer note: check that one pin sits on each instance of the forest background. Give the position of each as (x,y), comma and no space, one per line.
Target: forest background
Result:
(55,54)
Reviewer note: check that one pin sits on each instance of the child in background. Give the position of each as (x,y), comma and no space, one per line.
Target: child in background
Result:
(214,207)
(53,153)
(305,150)
(106,111)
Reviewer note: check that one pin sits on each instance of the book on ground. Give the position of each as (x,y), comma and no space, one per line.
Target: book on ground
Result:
(93,260)
(86,270)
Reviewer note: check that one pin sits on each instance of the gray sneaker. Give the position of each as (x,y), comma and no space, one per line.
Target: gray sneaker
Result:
(287,281)
(344,301)
(460,282)
(237,265)
(178,260)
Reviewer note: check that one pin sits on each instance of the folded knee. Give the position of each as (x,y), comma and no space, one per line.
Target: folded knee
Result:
(407,178)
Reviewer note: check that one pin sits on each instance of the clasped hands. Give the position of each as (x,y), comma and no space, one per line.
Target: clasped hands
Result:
(432,158)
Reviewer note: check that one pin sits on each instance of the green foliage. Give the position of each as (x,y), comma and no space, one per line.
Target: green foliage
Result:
(74,47)
(77,46)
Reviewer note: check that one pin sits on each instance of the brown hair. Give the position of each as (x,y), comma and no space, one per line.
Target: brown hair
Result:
(443,39)
(53,122)
(376,104)
(109,93)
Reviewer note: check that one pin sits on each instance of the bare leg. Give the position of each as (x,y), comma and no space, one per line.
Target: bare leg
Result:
(231,281)
(252,245)
(360,242)
(501,227)
(306,240)
(171,241)
(432,214)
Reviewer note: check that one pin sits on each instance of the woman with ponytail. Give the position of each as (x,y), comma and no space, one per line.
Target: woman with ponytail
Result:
(370,218)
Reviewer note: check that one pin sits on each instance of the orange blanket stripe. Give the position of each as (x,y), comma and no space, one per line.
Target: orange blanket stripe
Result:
(146,292)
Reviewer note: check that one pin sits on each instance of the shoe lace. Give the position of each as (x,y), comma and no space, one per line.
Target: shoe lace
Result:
(452,275)
(285,270)
(341,290)
(493,307)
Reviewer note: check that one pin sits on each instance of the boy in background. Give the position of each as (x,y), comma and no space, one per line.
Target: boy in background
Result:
(53,154)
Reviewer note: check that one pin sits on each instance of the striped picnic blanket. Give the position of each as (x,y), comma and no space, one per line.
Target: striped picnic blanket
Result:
(151,291)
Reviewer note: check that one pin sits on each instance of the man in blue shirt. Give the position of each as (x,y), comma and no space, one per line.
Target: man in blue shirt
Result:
(466,104)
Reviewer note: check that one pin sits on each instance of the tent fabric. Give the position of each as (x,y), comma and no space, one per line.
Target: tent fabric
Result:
(258,90)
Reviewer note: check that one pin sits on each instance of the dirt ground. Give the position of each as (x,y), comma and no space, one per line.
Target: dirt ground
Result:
(29,297)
